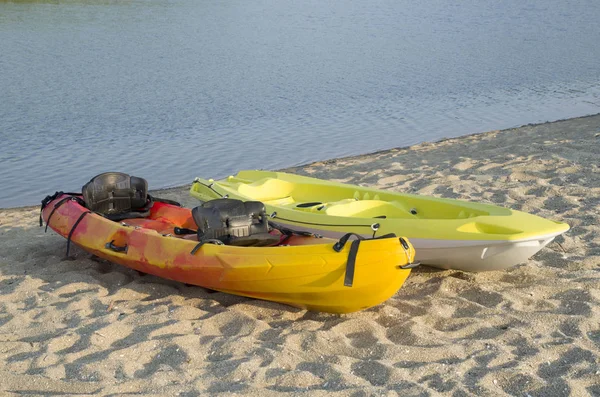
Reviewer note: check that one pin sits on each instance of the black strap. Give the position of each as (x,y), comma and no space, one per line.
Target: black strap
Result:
(344,239)
(350,265)
(73,229)
(61,202)
(45,203)
(351,262)
(209,241)
(49,199)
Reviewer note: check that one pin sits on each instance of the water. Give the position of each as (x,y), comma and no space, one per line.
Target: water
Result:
(170,90)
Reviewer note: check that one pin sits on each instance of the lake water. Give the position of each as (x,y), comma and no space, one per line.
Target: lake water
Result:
(170,90)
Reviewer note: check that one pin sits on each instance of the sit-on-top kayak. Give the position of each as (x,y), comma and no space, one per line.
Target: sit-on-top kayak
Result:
(446,233)
(308,272)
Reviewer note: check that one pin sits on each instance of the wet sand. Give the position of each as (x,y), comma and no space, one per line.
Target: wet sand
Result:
(87,326)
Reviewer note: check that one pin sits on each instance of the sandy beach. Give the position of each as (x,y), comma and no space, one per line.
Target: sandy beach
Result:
(87,326)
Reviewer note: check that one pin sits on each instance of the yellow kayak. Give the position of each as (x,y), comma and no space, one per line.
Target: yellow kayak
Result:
(446,233)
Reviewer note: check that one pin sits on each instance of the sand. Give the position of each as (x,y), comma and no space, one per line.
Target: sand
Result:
(87,326)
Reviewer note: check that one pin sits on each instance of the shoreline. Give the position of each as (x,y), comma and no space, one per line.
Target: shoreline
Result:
(441,140)
(93,327)
(176,190)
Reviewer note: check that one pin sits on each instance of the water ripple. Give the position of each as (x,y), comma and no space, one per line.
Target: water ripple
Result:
(170,91)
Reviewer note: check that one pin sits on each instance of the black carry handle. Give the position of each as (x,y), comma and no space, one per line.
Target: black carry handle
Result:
(410,265)
(182,230)
(116,248)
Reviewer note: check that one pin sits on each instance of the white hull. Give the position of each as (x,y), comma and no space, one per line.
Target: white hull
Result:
(480,256)
(466,255)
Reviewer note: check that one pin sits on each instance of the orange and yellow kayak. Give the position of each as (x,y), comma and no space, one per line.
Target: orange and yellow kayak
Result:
(301,271)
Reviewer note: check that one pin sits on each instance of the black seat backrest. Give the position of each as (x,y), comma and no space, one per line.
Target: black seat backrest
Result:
(233,222)
(117,195)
